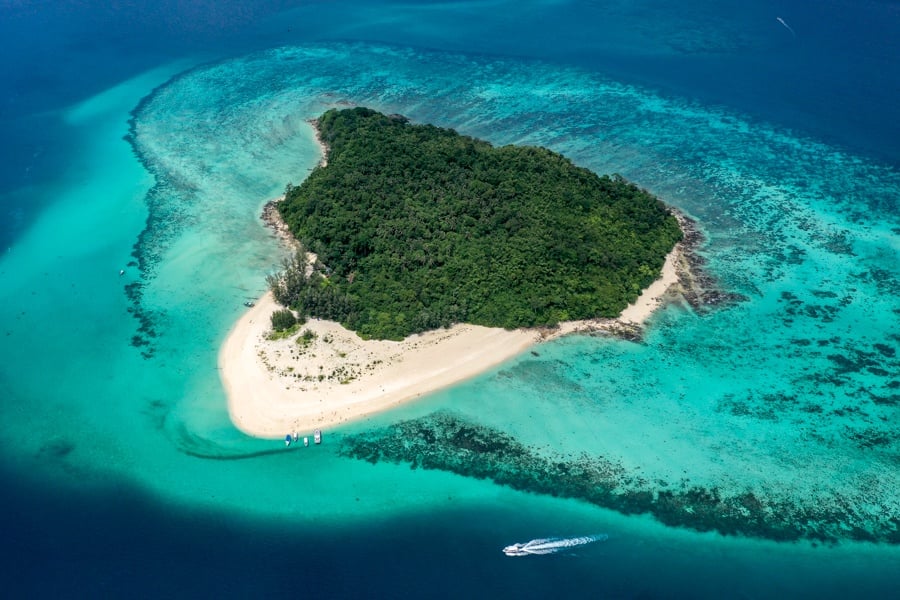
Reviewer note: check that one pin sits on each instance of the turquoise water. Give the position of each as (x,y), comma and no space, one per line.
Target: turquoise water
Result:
(804,231)
(791,395)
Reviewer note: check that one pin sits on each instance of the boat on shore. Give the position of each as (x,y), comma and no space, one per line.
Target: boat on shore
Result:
(294,437)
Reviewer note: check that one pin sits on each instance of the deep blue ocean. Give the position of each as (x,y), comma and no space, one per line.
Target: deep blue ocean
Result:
(120,473)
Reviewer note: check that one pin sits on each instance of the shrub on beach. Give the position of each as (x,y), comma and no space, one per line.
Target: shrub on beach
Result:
(283,319)
(306,338)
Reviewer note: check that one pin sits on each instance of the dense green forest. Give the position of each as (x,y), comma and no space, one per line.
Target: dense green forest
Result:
(417,227)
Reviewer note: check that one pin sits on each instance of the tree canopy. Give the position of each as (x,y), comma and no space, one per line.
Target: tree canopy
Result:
(417,227)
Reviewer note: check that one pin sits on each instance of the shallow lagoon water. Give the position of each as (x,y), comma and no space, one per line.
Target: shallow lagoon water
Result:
(791,393)
(807,243)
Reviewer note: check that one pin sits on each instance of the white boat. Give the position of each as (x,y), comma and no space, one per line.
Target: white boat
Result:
(515,550)
(317,436)
(305,441)
(551,545)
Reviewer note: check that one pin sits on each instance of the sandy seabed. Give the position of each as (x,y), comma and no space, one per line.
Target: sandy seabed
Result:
(333,376)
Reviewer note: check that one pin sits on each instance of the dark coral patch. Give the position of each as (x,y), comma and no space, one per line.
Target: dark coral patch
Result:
(447,442)
(885,350)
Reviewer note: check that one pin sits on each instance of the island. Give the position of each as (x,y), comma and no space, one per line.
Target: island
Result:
(424,257)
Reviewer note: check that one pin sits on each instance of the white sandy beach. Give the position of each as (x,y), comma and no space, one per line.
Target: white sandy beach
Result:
(275,387)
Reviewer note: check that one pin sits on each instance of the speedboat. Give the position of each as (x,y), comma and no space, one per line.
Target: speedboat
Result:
(515,550)
(551,545)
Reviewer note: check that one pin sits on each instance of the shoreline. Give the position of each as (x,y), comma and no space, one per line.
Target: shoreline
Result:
(275,387)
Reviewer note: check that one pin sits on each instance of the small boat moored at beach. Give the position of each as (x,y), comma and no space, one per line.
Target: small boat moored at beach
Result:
(317,436)
(305,441)
(288,439)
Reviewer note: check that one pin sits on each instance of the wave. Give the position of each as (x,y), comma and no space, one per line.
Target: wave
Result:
(551,545)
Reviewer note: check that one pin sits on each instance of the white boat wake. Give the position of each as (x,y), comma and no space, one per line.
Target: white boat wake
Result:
(780,20)
(551,545)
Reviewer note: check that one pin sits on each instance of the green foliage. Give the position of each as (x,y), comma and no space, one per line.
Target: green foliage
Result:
(306,289)
(283,319)
(306,338)
(421,227)
(283,334)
